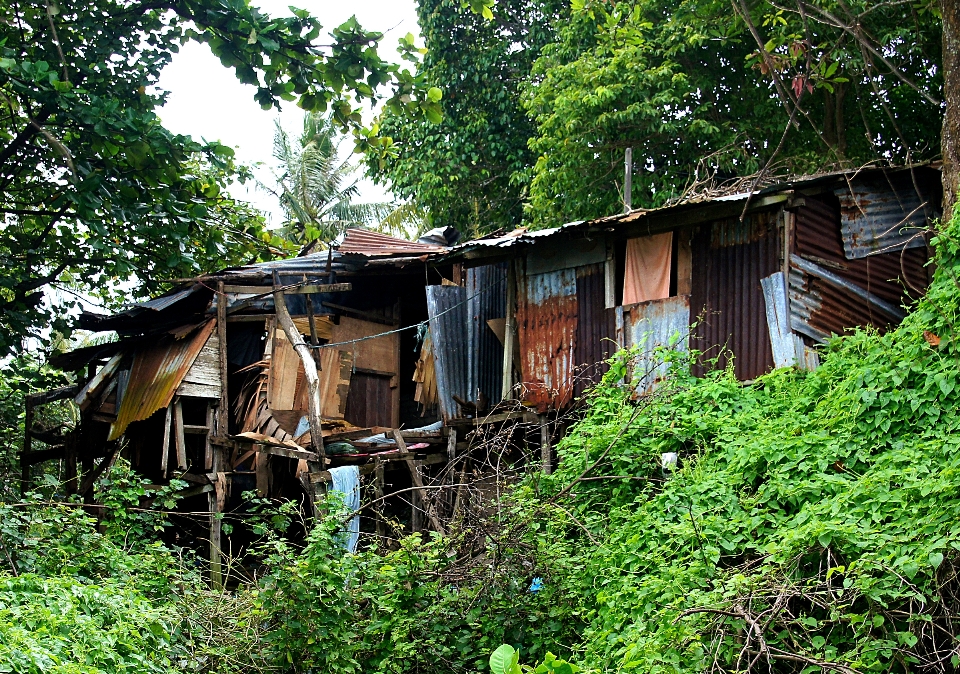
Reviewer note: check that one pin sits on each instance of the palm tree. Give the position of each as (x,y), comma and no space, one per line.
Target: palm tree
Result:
(317,188)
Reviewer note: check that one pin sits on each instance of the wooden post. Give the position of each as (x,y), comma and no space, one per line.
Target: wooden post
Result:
(628,180)
(208,445)
(414,467)
(509,330)
(309,371)
(223,411)
(214,499)
(27,446)
(378,486)
(263,474)
(178,435)
(452,445)
(545,455)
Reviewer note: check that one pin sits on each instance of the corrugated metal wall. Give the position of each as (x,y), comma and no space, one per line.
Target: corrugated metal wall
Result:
(819,308)
(729,259)
(596,329)
(486,291)
(446,307)
(547,330)
(652,324)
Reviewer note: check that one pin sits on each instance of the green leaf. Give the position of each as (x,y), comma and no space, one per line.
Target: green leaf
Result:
(502,659)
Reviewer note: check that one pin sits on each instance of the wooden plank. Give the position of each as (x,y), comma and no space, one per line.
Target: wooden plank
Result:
(684,262)
(165,452)
(181,443)
(247,318)
(336,367)
(379,353)
(285,368)
(203,378)
(287,452)
(264,291)
(193,429)
(366,315)
(263,474)
(208,448)
(223,411)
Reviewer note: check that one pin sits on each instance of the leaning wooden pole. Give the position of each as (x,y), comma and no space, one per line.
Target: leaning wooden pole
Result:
(309,371)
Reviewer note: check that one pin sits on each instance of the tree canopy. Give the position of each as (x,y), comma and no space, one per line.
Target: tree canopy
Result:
(93,188)
(468,170)
(703,87)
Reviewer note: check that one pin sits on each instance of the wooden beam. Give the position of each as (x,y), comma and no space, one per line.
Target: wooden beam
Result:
(248,318)
(452,445)
(208,448)
(287,452)
(309,371)
(32,458)
(52,395)
(264,291)
(99,470)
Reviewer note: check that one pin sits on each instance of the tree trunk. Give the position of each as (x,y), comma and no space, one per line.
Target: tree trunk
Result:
(950,142)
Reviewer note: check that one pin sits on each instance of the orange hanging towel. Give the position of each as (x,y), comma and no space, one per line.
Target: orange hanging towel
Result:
(647,268)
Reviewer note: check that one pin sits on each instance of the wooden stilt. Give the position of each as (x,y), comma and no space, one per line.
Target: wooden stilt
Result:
(425,505)
(452,445)
(546,457)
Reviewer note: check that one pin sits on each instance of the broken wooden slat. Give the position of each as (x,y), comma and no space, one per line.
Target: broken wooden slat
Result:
(287,452)
(418,483)
(165,452)
(207,446)
(53,395)
(87,393)
(310,372)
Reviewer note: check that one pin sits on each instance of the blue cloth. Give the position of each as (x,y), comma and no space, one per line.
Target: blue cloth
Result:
(346,481)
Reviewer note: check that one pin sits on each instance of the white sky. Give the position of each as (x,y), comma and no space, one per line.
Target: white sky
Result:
(207,102)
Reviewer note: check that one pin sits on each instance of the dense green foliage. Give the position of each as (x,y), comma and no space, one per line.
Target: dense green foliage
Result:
(686,85)
(94,190)
(465,170)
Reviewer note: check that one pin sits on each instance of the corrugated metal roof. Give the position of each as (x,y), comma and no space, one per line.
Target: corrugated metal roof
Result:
(547,327)
(882,217)
(359,241)
(155,374)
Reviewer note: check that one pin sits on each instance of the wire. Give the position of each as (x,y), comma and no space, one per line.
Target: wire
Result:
(409,327)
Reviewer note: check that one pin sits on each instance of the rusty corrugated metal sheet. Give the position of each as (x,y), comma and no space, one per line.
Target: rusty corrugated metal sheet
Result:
(879,215)
(547,329)
(358,241)
(729,260)
(486,291)
(596,329)
(656,323)
(155,374)
(446,307)
(819,308)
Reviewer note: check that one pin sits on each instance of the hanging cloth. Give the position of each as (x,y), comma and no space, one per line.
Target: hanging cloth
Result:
(346,481)
(647,268)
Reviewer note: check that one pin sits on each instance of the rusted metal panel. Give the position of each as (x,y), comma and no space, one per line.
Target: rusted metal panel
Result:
(547,330)
(879,215)
(446,307)
(729,260)
(155,374)
(358,241)
(486,291)
(596,329)
(657,323)
(877,285)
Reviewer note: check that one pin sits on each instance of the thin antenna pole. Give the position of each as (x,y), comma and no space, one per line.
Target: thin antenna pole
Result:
(628,180)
